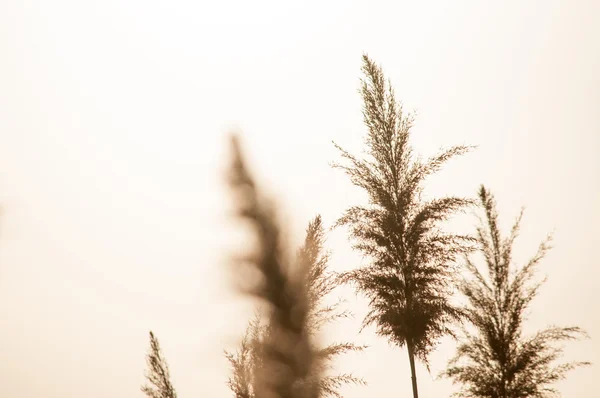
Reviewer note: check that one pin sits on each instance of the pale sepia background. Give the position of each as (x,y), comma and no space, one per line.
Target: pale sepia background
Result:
(113,122)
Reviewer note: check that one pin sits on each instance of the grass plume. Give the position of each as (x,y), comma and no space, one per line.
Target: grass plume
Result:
(409,279)
(288,364)
(157,374)
(496,360)
(320,283)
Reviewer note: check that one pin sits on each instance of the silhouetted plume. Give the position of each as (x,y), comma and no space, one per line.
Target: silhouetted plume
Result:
(320,283)
(157,373)
(408,278)
(496,360)
(288,364)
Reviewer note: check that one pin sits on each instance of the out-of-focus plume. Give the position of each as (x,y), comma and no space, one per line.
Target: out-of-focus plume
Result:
(321,282)
(286,353)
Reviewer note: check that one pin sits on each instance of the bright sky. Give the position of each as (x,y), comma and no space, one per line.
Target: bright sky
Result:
(113,122)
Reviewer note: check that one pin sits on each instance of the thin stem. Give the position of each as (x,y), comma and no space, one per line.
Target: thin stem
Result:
(413,373)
